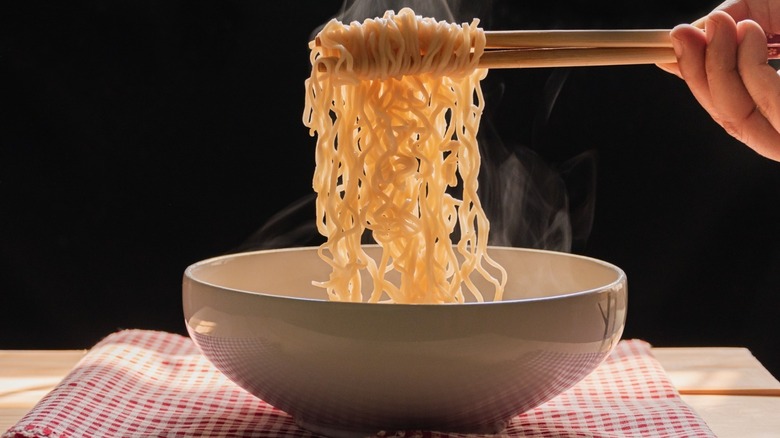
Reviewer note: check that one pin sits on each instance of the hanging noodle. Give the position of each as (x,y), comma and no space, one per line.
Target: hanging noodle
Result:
(395,103)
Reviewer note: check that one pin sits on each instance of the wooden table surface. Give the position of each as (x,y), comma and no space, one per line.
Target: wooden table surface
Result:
(728,387)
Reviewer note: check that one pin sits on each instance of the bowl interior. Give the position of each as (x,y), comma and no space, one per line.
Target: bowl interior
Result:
(290,273)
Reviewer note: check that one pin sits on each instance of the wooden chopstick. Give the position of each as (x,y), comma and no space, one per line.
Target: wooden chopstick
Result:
(573,57)
(576,57)
(575,48)
(572,48)
(760,392)
(499,39)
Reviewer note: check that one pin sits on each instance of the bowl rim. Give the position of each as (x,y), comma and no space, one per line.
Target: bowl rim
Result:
(619,280)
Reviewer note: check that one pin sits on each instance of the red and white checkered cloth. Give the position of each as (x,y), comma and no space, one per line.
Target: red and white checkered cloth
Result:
(140,383)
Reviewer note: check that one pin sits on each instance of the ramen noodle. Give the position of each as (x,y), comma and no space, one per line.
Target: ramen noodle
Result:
(395,103)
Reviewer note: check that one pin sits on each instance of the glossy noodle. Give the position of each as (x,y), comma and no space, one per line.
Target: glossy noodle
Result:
(395,103)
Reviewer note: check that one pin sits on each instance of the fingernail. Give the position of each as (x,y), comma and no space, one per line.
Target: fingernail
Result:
(677,45)
(710,27)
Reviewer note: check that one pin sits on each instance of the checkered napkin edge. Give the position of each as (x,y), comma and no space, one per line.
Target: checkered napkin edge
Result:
(143,383)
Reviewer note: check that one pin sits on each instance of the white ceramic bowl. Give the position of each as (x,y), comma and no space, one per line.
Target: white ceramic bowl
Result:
(355,368)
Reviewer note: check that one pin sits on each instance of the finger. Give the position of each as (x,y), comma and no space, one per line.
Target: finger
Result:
(760,79)
(738,9)
(690,46)
(763,84)
(670,67)
(731,102)
(763,12)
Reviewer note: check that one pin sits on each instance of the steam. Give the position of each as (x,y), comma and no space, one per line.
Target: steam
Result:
(293,226)
(453,10)
(530,203)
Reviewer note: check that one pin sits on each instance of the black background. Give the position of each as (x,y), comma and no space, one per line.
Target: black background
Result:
(137,137)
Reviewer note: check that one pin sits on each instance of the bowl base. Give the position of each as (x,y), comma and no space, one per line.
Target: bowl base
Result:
(342,432)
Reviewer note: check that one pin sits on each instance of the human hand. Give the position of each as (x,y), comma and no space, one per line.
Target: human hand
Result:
(723,59)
